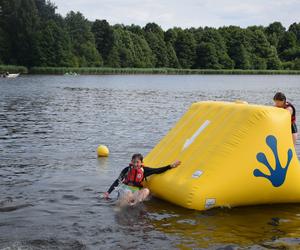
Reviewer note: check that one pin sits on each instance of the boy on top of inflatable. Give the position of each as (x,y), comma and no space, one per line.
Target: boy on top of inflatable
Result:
(280,102)
(132,177)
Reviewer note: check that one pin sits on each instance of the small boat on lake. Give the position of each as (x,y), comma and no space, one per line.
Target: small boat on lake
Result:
(10,75)
(71,74)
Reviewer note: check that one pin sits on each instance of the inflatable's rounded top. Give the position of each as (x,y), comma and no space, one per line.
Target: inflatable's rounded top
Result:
(241,102)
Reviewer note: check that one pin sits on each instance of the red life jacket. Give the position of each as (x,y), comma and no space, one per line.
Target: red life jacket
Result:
(293,117)
(135,176)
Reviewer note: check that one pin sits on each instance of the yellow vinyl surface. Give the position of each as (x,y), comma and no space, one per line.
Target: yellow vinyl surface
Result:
(232,154)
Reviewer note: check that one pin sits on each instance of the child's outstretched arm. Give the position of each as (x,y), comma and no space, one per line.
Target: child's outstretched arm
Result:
(150,171)
(116,182)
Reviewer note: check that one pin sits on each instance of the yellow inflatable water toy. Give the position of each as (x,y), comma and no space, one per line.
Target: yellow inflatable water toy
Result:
(233,154)
(102,151)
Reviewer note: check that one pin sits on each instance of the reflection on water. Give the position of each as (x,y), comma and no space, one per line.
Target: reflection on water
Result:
(51,181)
(268,226)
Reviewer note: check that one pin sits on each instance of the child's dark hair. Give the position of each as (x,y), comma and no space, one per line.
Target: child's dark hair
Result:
(279,97)
(137,156)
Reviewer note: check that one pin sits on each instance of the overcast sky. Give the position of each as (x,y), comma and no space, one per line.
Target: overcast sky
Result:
(186,13)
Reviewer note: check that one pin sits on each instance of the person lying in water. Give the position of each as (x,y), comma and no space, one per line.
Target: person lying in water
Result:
(281,102)
(132,177)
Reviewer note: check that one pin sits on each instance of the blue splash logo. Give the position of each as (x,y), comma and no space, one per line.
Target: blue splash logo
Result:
(277,174)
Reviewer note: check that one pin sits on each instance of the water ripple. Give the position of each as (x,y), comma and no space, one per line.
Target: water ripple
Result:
(51,181)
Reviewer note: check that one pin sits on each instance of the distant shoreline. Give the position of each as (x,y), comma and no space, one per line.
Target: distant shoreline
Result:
(138,71)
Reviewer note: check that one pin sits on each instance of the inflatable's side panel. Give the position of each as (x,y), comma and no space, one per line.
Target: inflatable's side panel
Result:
(232,155)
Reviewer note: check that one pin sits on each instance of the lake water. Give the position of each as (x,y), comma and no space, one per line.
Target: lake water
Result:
(51,179)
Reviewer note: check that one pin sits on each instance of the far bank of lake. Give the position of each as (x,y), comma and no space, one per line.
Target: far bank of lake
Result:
(133,71)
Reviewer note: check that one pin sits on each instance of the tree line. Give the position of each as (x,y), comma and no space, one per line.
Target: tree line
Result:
(33,34)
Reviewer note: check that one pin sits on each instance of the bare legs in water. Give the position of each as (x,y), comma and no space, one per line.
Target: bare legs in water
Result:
(130,198)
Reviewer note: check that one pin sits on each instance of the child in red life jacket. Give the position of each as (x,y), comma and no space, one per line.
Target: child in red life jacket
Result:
(280,102)
(132,177)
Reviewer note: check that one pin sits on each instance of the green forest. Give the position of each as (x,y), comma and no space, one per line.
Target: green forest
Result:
(32,34)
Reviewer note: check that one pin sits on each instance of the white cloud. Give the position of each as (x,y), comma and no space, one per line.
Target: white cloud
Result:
(188,13)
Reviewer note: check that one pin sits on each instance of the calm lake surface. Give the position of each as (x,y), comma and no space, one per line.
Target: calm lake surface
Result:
(51,179)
